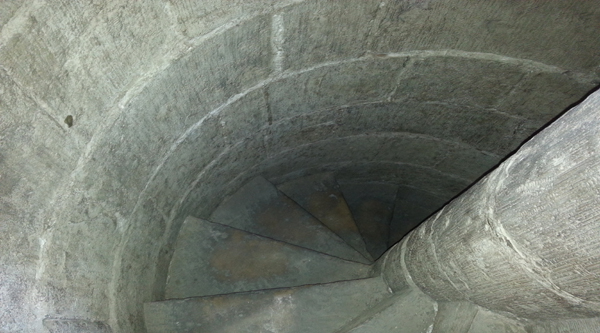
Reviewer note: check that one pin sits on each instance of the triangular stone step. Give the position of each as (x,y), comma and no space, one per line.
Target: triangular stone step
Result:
(409,312)
(490,322)
(411,208)
(467,317)
(372,206)
(211,259)
(321,196)
(260,208)
(454,317)
(315,309)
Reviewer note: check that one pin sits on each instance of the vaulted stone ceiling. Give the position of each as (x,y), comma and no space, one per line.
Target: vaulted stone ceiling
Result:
(120,118)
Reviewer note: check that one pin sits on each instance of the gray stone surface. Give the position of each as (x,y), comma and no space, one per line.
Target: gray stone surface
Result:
(213,259)
(398,174)
(464,71)
(497,245)
(222,176)
(583,325)
(538,94)
(456,317)
(372,206)
(466,317)
(8,9)
(315,33)
(171,112)
(260,208)
(60,325)
(486,130)
(411,312)
(322,88)
(475,82)
(316,309)
(412,207)
(320,195)
(198,18)
(448,157)
(489,322)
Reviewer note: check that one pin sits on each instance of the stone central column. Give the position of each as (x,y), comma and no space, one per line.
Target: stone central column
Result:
(526,238)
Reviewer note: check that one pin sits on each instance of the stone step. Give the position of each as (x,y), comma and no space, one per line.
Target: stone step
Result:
(321,196)
(454,317)
(372,206)
(408,312)
(211,259)
(467,317)
(315,309)
(260,208)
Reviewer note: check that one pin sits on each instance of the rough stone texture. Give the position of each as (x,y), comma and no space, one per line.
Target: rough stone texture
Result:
(329,86)
(171,111)
(466,317)
(566,325)
(318,309)
(552,89)
(213,259)
(260,208)
(55,325)
(321,117)
(411,208)
(321,196)
(498,244)
(396,174)
(475,82)
(372,206)
(8,9)
(418,150)
(486,321)
(315,33)
(411,312)
(456,317)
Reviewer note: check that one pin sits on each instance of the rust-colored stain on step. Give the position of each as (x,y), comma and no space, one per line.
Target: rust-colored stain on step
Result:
(239,258)
(285,221)
(223,303)
(328,206)
(375,211)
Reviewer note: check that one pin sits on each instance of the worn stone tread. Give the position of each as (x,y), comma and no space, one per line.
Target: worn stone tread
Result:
(210,259)
(491,322)
(467,317)
(409,312)
(320,195)
(260,208)
(317,309)
(372,206)
(456,317)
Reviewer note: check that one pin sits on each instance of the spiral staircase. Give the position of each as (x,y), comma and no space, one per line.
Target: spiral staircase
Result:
(302,257)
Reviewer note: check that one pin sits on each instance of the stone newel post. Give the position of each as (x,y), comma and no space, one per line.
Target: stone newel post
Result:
(526,238)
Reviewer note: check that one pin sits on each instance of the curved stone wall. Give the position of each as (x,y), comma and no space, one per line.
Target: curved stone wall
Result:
(174,105)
